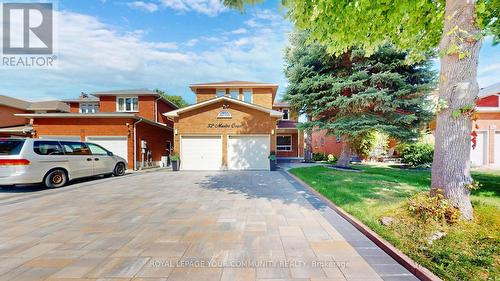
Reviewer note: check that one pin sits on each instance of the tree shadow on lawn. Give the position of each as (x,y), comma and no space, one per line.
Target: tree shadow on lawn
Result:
(490,183)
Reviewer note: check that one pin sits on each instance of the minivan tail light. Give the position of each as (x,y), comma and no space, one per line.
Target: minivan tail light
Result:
(14,162)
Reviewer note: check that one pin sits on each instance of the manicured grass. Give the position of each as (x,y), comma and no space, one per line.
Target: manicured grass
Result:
(470,251)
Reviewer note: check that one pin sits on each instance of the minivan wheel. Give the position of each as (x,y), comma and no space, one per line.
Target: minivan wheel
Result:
(56,178)
(119,170)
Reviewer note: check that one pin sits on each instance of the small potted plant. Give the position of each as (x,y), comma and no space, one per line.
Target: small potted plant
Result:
(272,161)
(175,162)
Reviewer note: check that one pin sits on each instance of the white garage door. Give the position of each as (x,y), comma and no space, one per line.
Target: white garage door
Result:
(248,152)
(201,153)
(117,145)
(478,155)
(496,147)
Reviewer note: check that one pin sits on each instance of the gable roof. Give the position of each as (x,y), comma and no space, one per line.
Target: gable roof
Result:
(272,113)
(490,90)
(33,106)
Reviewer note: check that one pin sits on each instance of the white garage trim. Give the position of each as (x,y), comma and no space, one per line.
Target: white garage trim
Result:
(260,164)
(217,150)
(121,151)
(68,138)
(484,134)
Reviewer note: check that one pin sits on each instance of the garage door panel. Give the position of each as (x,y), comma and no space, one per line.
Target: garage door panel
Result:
(201,153)
(117,145)
(248,152)
(478,154)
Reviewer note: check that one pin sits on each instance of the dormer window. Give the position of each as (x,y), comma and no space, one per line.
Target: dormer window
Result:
(220,93)
(286,114)
(89,107)
(235,94)
(127,104)
(248,95)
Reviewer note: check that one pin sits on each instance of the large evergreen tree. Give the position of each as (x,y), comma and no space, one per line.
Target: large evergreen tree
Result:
(353,95)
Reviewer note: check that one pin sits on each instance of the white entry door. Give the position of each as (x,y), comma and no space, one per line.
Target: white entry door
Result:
(202,153)
(496,147)
(117,145)
(248,152)
(478,155)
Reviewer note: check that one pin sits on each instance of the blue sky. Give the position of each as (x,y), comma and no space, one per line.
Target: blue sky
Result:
(167,44)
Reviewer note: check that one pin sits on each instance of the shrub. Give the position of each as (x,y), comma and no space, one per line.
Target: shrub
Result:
(427,207)
(332,158)
(174,157)
(417,155)
(319,157)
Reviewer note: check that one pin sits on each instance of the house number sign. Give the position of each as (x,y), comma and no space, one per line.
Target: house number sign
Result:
(224,126)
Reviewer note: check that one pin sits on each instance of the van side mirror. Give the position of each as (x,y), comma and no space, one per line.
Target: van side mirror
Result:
(110,153)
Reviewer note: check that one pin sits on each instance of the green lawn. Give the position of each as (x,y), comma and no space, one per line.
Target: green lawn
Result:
(470,251)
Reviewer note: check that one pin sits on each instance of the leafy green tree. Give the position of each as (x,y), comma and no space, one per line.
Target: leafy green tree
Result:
(177,100)
(353,95)
(456,27)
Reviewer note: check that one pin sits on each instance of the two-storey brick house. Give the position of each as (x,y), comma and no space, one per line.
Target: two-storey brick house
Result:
(129,123)
(234,125)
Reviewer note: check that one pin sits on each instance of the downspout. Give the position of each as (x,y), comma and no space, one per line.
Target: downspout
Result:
(135,143)
(156,108)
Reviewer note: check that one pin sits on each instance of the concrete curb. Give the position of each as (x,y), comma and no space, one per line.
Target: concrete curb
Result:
(419,271)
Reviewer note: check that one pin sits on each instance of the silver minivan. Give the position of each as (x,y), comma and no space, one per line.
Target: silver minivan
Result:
(54,162)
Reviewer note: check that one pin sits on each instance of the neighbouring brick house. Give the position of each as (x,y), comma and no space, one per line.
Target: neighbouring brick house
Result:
(129,123)
(12,125)
(235,125)
(487,150)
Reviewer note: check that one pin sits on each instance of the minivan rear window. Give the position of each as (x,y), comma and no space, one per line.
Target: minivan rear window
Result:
(47,148)
(11,147)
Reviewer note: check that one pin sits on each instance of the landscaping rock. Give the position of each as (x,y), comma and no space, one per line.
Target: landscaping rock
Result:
(436,236)
(386,221)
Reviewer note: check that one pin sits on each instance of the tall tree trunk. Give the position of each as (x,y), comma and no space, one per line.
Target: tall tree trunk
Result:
(345,154)
(458,87)
(308,152)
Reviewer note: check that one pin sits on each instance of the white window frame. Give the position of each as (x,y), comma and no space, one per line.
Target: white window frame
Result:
(251,95)
(93,105)
(220,91)
(231,91)
(287,146)
(125,104)
(288,114)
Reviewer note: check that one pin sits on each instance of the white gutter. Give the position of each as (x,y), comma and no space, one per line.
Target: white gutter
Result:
(135,143)
(156,108)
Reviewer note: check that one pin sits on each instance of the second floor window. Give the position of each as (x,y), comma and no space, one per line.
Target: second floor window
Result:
(220,93)
(89,107)
(128,104)
(286,114)
(235,94)
(248,96)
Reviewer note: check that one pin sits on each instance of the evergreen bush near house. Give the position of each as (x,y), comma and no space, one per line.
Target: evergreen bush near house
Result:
(417,155)
(319,157)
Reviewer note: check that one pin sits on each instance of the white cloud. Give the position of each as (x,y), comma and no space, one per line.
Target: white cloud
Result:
(192,42)
(207,7)
(149,7)
(93,56)
(239,31)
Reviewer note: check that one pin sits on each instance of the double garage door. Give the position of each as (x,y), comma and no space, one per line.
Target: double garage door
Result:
(243,152)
